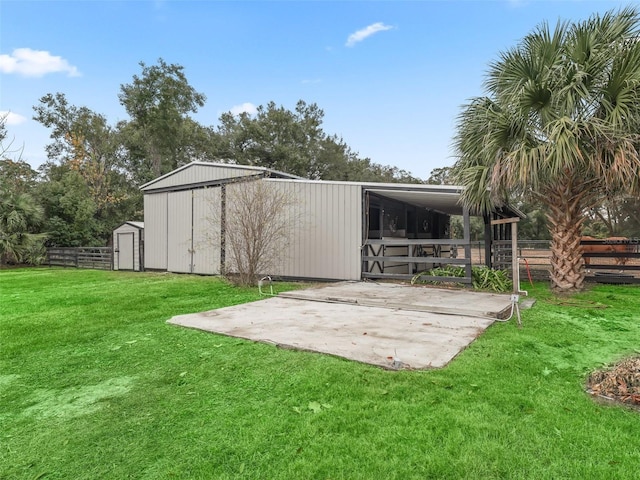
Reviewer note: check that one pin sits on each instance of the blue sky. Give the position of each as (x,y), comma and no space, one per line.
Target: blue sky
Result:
(391,77)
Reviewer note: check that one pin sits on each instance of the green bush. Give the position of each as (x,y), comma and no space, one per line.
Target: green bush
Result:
(485,278)
(482,278)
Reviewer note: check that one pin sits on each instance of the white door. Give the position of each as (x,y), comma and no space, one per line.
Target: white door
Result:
(125,251)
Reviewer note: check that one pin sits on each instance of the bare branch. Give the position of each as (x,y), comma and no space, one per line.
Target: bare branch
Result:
(255,228)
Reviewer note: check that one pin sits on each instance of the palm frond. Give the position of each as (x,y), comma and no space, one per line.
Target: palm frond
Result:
(563,104)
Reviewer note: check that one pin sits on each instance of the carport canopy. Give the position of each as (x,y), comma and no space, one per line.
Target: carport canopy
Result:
(440,198)
(446,199)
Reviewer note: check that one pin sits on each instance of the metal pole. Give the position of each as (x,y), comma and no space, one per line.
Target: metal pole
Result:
(514,257)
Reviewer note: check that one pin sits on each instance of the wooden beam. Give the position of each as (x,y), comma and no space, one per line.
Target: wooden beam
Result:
(405,276)
(502,221)
(399,242)
(402,259)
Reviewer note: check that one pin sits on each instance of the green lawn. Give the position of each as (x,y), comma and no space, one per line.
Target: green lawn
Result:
(95,385)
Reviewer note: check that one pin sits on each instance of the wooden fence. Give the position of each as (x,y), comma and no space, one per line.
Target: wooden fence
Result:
(606,260)
(81,257)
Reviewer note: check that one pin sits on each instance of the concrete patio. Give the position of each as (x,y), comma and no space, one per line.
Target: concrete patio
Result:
(388,325)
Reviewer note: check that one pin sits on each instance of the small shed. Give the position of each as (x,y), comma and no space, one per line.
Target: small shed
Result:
(128,247)
(338,230)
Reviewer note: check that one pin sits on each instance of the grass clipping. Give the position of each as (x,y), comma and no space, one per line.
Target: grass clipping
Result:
(620,383)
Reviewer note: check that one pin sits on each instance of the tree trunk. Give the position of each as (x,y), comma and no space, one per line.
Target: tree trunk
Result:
(565,225)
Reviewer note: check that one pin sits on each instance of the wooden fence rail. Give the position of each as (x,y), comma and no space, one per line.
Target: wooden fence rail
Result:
(81,257)
(613,260)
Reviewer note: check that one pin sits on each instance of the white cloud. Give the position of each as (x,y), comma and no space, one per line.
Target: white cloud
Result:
(11,118)
(35,63)
(360,35)
(246,107)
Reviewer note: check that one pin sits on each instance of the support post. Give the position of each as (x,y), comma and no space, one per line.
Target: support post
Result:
(487,241)
(223,222)
(364,265)
(466,222)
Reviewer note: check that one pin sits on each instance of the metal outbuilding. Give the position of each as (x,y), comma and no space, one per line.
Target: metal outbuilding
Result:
(339,230)
(128,247)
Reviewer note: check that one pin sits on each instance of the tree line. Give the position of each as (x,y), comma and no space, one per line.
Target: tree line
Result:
(90,181)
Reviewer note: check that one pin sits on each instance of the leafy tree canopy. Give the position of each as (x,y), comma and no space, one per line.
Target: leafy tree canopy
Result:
(86,165)
(159,102)
(90,183)
(295,142)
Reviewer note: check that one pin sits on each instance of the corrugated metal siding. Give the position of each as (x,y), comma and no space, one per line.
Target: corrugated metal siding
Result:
(126,229)
(325,231)
(324,237)
(155,222)
(201,173)
(206,231)
(179,231)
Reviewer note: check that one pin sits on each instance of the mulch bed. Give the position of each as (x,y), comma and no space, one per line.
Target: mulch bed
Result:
(619,383)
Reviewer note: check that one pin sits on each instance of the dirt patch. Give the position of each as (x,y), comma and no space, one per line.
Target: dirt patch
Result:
(619,383)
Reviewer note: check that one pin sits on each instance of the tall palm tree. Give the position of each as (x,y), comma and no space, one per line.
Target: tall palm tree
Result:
(560,122)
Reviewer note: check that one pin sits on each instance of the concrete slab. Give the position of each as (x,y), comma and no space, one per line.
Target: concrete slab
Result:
(355,328)
(410,297)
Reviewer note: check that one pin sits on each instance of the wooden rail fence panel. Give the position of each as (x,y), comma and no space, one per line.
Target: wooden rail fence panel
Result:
(81,257)
(613,260)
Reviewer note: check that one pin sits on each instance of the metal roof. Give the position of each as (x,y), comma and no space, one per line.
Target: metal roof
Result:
(272,173)
(442,198)
(445,202)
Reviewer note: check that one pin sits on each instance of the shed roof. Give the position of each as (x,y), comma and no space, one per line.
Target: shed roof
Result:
(209,172)
(138,225)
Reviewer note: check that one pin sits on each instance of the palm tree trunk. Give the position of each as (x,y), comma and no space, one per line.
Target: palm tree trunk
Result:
(565,225)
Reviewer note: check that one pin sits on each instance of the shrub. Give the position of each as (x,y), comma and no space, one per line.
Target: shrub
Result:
(482,278)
